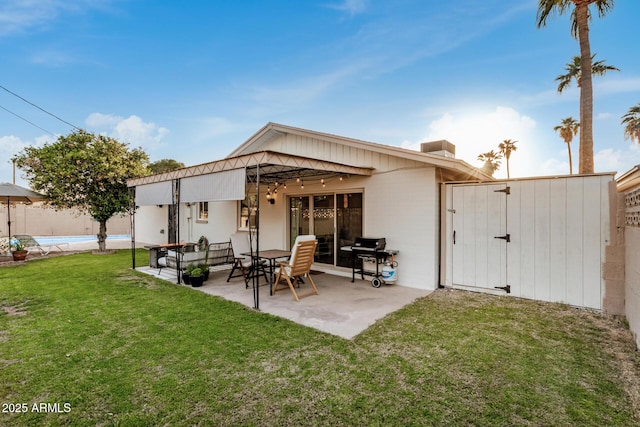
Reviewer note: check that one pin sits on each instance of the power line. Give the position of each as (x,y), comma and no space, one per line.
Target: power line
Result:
(40,108)
(22,118)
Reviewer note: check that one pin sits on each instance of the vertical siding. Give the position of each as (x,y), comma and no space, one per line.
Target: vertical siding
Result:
(558,241)
(574,241)
(333,152)
(544,218)
(559,229)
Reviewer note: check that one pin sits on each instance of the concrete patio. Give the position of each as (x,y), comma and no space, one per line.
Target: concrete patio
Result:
(342,308)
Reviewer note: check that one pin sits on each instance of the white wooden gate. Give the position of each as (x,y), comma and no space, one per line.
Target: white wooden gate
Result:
(541,238)
(479,239)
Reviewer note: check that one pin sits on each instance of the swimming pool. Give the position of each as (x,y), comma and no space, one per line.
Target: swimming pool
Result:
(56,240)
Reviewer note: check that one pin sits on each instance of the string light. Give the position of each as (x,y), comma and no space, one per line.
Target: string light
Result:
(268,193)
(301,184)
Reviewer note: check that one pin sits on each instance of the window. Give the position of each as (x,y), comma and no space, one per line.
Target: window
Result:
(203,211)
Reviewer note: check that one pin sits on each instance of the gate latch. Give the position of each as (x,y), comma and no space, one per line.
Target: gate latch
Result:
(506,237)
(507,288)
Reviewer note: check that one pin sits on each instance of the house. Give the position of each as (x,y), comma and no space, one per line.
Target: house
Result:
(290,181)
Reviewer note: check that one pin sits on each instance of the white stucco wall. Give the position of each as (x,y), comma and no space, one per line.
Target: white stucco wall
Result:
(222,222)
(402,206)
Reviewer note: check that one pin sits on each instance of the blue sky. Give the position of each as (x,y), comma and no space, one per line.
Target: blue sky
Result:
(193,80)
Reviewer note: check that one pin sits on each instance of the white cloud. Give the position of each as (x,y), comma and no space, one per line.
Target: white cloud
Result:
(620,161)
(476,132)
(26,15)
(10,146)
(132,130)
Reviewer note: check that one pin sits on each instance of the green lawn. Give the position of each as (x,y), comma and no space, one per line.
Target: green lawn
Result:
(114,347)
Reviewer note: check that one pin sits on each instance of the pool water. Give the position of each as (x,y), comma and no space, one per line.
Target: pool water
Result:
(55,240)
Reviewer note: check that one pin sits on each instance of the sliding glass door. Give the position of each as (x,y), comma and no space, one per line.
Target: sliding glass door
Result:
(335,219)
(348,224)
(324,228)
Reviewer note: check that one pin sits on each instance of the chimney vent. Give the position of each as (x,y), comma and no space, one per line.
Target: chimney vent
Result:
(441,148)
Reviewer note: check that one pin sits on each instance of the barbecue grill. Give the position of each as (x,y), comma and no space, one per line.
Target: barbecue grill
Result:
(366,247)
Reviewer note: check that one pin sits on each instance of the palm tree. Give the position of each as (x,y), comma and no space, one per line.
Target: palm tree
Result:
(506,147)
(580,16)
(491,161)
(598,68)
(631,122)
(568,128)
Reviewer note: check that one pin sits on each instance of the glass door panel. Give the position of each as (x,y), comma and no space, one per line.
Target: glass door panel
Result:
(348,224)
(298,217)
(324,228)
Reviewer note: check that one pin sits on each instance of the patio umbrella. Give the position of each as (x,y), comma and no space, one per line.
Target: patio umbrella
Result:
(11,193)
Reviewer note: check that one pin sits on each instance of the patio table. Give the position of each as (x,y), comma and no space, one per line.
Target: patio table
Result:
(270,255)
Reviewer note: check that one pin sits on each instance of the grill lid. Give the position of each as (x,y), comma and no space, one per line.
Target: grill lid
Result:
(369,244)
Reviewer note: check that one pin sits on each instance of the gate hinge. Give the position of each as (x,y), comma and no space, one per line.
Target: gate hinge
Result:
(506,190)
(506,237)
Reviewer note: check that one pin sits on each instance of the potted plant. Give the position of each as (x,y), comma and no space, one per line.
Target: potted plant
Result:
(19,253)
(186,274)
(197,277)
(205,270)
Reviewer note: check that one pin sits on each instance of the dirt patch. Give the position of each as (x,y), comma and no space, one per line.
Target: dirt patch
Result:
(106,252)
(14,311)
(6,261)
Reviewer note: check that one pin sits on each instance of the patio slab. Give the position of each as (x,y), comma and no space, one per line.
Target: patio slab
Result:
(342,308)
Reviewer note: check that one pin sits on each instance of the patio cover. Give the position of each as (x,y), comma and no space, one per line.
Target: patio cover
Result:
(226,179)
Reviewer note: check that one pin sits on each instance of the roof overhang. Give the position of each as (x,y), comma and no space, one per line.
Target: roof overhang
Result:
(272,166)
(629,179)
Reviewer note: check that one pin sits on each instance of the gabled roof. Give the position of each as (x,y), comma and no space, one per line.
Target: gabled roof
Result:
(271,130)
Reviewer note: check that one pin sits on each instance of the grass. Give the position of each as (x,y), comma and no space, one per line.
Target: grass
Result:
(121,348)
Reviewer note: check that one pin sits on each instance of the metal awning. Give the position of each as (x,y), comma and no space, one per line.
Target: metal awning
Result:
(273,166)
(157,193)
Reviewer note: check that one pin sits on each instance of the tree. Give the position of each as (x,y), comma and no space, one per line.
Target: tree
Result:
(85,171)
(598,68)
(631,122)
(568,128)
(506,148)
(580,16)
(491,161)
(165,165)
